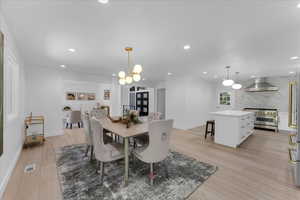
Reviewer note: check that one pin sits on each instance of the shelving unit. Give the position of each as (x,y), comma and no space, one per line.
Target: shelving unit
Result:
(34,138)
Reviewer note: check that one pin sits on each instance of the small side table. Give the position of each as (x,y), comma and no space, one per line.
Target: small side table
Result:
(35,137)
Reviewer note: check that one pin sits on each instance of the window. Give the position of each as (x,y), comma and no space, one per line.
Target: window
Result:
(11,83)
(225,98)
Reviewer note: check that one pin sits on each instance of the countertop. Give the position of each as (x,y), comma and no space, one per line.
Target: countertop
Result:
(232,113)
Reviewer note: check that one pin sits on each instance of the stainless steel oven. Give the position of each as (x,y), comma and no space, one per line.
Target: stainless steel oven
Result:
(265,118)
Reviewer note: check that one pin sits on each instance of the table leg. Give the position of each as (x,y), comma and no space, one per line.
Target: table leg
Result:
(126,151)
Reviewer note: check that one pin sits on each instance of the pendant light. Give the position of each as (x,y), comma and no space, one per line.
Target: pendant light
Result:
(135,75)
(227,81)
(236,85)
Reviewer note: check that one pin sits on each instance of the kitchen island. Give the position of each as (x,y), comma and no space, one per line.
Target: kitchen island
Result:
(232,127)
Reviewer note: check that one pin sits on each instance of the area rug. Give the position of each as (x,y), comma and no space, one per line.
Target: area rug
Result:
(79,179)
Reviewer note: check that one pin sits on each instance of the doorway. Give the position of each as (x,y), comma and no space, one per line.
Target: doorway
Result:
(161,102)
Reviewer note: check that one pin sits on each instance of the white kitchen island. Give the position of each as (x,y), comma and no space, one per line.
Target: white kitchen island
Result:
(232,127)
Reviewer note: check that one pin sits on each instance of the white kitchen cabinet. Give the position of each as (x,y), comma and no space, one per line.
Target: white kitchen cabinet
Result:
(232,127)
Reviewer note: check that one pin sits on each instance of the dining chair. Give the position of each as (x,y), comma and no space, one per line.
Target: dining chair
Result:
(74,117)
(104,152)
(88,134)
(158,148)
(144,139)
(101,114)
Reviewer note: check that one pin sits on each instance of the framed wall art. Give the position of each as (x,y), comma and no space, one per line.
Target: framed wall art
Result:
(1,90)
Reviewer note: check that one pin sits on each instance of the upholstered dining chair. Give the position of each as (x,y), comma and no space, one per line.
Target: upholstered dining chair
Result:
(159,144)
(144,139)
(104,152)
(74,117)
(88,134)
(99,113)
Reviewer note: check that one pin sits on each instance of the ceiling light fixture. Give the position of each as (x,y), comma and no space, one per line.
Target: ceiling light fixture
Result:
(103,1)
(236,85)
(292,72)
(133,75)
(186,47)
(294,58)
(227,81)
(170,74)
(71,50)
(253,76)
(298,6)
(63,66)
(204,72)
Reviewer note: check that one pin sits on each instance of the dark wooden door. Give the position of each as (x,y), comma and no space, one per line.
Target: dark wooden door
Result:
(142,103)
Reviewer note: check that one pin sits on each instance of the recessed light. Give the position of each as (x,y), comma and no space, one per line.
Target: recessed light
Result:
(103,1)
(204,72)
(170,74)
(292,72)
(186,47)
(63,66)
(294,58)
(113,74)
(298,6)
(253,76)
(143,79)
(71,50)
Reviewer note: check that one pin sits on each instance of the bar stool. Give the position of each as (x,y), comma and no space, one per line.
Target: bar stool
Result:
(212,128)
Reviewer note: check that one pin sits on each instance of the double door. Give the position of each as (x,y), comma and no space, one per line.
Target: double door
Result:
(142,103)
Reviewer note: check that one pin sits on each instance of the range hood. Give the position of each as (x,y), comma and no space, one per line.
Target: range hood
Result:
(261,85)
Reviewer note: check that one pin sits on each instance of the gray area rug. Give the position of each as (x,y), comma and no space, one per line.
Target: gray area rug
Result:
(80,181)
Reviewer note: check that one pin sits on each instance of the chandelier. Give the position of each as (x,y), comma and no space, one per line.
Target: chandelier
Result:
(134,75)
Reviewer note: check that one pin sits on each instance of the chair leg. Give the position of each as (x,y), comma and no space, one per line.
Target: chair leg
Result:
(206,130)
(151,175)
(78,124)
(67,125)
(166,169)
(101,172)
(71,125)
(92,153)
(87,150)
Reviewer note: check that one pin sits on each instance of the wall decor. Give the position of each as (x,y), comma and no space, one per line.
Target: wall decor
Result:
(81,96)
(70,96)
(106,94)
(225,98)
(91,96)
(1,90)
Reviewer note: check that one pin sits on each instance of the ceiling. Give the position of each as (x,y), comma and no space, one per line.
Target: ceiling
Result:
(255,37)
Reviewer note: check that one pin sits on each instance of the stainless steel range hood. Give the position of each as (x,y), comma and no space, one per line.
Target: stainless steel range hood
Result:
(261,85)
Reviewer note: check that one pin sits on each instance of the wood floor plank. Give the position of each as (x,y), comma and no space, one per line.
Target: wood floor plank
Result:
(259,169)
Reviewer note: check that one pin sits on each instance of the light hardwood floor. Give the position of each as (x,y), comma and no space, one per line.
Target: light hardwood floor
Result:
(258,170)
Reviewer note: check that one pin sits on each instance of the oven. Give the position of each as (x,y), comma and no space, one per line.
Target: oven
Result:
(265,118)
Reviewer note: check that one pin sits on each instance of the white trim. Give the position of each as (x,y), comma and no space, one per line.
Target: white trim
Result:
(9,172)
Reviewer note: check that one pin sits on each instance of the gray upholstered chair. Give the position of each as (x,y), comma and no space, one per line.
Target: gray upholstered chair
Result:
(99,113)
(144,139)
(104,152)
(159,144)
(154,116)
(88,134)
(74,117)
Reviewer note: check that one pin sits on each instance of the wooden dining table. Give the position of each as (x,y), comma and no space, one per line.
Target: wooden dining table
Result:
(121,130)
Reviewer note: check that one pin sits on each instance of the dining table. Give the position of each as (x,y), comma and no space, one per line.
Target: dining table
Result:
(121,129)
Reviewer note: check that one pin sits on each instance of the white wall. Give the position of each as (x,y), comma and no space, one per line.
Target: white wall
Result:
(13,124)
(45,93)
(189,100)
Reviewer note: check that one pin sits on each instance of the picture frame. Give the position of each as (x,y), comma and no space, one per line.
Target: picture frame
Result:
(91,96)
(70,96)
(106,95)
(225,98)
(81,96)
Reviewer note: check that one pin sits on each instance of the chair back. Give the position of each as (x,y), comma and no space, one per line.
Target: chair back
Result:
(75,116)
(159,140)
(99,146)
(87,128)
(99,113)
(154,116)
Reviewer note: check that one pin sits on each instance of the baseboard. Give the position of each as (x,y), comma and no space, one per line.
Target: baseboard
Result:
(9,172)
